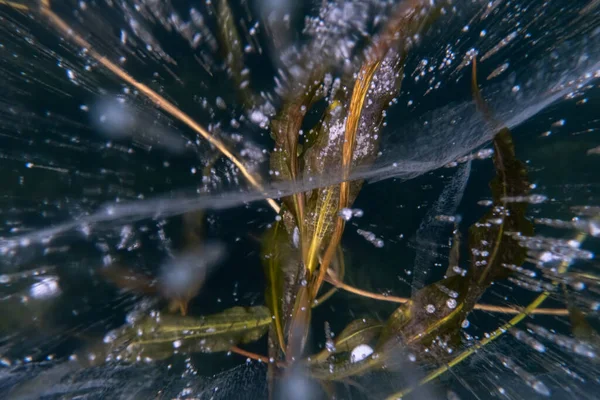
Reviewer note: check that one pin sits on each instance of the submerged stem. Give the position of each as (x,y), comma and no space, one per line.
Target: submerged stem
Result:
(249,354)
(16,6)
(482,307)
(157,99)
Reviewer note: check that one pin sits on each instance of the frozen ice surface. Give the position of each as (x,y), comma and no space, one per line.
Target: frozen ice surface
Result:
(100,155)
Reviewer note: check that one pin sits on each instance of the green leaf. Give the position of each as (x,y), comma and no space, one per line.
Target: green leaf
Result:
(454,257)
(281,264)
(158,337)
(297,332)
(232,51)
(489,239)
(394,325)
(342,367)
(432,312)
(360,331)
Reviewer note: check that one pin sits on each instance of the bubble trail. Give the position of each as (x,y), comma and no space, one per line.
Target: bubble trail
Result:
(157,99)
(529,379)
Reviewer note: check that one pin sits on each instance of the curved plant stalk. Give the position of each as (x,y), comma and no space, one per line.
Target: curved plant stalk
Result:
(299,325)
(249,354)
(60,25)
(339,272)
(479,306)
(15,5)
(410,18)
(325,209)
(276,253)
(361,87)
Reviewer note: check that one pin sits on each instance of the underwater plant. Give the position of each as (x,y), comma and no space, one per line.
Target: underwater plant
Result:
(304,149)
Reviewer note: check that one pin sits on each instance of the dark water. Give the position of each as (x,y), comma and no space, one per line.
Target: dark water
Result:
(77,170)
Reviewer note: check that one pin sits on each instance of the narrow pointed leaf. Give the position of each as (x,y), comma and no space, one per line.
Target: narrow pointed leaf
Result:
(233,53)
(360,331)
(158,337)
(281,263)
(297,332)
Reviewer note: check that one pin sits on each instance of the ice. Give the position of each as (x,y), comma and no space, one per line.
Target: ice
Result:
(119,117)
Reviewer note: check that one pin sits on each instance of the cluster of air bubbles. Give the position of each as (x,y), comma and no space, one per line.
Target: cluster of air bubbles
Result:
(524,337)
(548,251)
(140,311)
(448,59)
(529,379)
(448,218)
(520,270)
(259,117)
(459,271)
(498,71)
(480,155)
(531,199)
(442,344)
(32,273)
(451,303)
(467,59)
(533,285)
(587,211)
(329,343)
(573,345)
(371,237)
(449,292)
(589,226)
(347,213)
(338,27)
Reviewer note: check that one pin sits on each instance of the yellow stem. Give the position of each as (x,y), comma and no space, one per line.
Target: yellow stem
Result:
(481,307)
(157,99)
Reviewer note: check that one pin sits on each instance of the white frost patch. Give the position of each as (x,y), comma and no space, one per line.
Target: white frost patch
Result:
(360,352)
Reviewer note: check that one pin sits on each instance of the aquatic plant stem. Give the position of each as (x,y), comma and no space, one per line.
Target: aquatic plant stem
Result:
(482,307)
(339,273)
(359,94)
(14,5)
(157,99)
(253,356)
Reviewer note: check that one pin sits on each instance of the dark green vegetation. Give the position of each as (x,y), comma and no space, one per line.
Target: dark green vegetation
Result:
(302,249)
